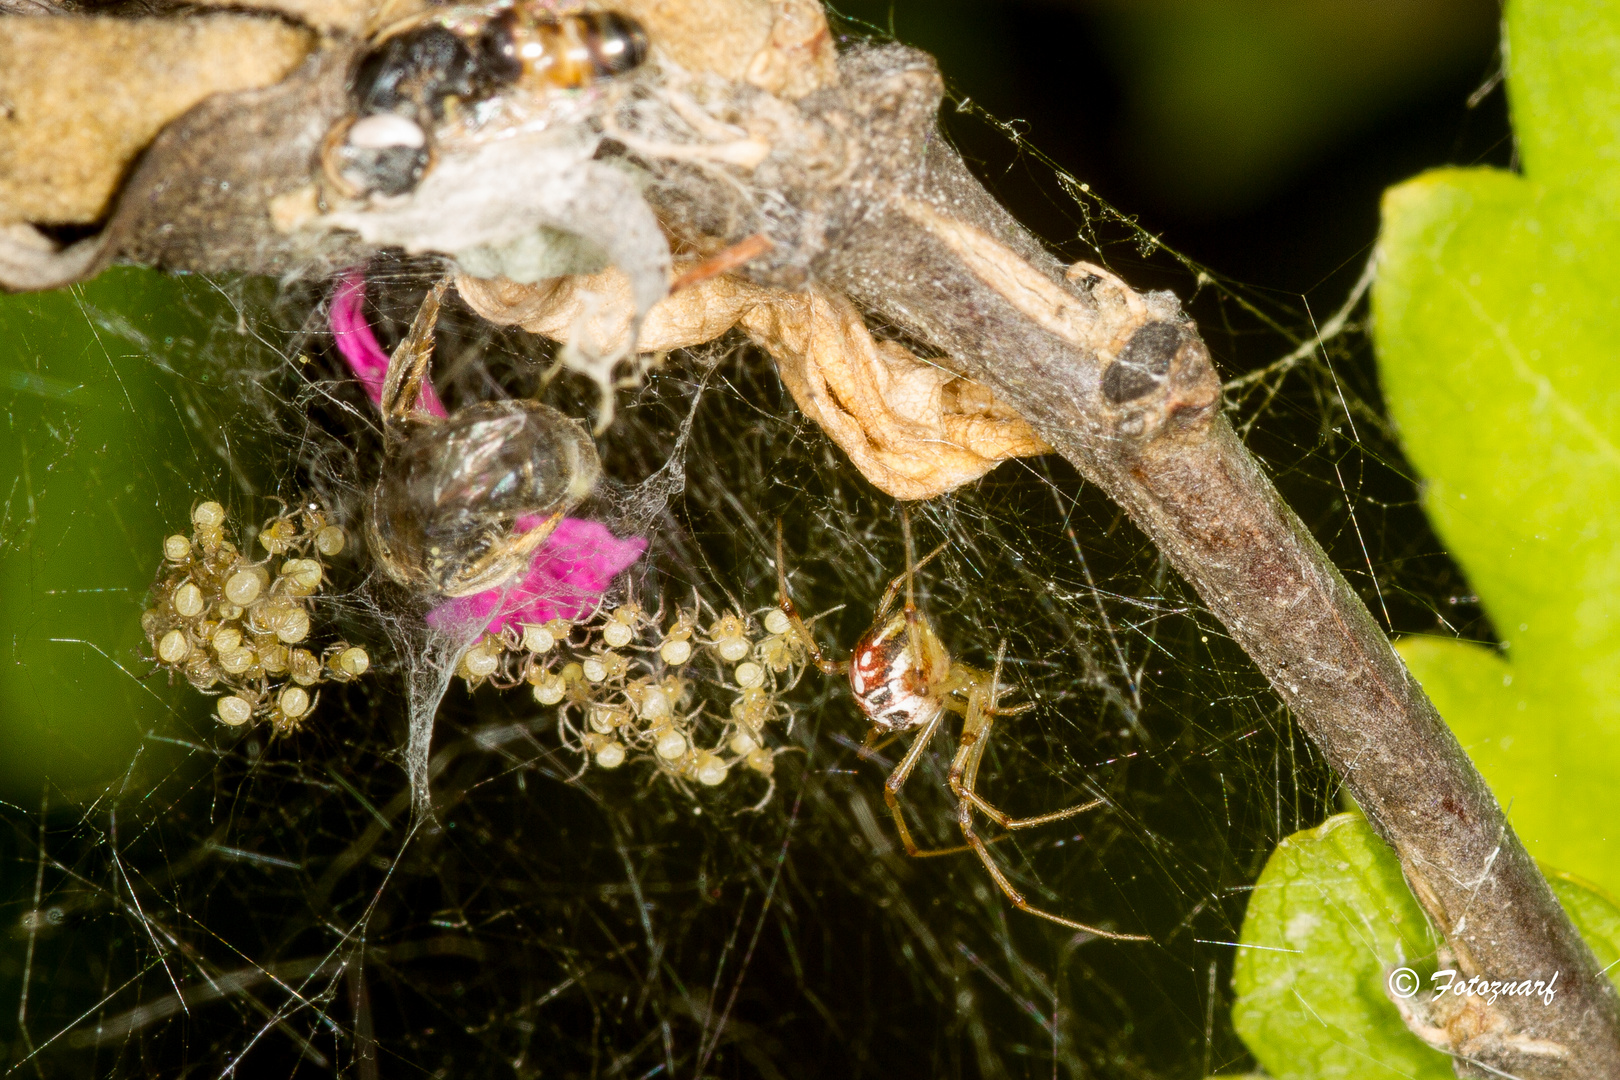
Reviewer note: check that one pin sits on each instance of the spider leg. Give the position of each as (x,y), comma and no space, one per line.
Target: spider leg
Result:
(800,631)
(409,364)
(964,778)
(876,742)
(904,580)
(897,780)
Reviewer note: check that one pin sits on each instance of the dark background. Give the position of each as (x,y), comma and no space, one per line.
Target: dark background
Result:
(1254,136)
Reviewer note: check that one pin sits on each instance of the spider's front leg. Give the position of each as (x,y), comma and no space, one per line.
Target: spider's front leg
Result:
(897,780)
(904,580)
(979,718)
(410,363)
(801,632)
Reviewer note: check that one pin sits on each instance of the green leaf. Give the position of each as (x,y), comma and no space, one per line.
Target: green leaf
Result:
(1497,325)
(1329,921)
(1330,917)
(1497,321)
(97,464)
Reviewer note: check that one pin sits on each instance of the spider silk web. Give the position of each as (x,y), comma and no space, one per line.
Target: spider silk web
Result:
(208,901)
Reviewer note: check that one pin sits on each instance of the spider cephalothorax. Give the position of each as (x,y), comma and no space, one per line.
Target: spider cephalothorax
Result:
(463,501)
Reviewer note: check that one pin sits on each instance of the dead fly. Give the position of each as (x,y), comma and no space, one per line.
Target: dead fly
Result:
(904,680)
(427,71)
(463,501)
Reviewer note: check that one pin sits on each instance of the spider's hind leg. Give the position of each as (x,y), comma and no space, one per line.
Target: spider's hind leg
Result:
(980,718)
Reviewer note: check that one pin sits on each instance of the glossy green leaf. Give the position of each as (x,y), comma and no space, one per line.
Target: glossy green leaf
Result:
(97,463)
(1496,319)
(1330,920)
(1497,322)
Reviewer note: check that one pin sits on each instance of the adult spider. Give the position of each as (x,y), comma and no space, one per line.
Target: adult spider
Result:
(903,679)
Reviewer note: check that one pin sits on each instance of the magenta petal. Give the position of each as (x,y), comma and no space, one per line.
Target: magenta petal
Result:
(573,568)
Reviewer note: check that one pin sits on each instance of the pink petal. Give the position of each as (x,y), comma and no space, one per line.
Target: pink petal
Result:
(573,568)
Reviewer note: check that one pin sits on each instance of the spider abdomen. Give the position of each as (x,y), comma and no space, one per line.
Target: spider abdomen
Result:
(897,672)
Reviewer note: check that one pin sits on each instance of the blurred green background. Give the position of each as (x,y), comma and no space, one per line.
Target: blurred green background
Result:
(105,441)
(1253,135)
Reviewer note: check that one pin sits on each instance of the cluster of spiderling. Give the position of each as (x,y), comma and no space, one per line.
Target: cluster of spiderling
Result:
(223,620)
(626,683)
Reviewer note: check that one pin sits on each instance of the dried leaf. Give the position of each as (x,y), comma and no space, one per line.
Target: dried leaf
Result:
(914,429)
(896,416)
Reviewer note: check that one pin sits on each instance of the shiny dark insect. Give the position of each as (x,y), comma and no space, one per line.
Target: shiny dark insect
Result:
(422,72)
(463,501)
